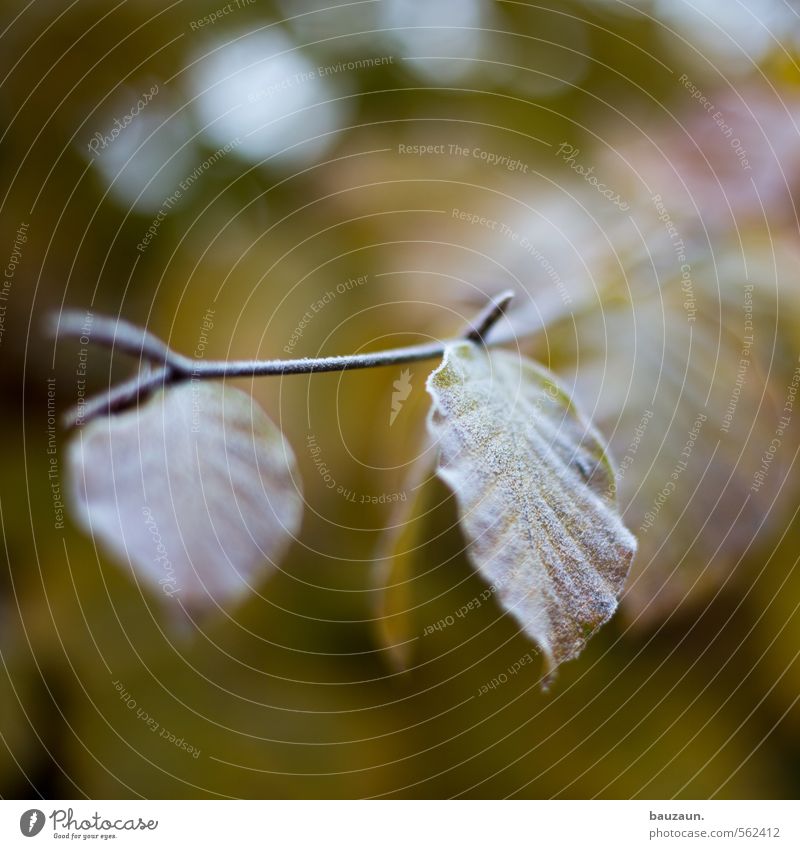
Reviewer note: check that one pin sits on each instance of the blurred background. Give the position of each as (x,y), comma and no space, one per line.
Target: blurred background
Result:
(297,178)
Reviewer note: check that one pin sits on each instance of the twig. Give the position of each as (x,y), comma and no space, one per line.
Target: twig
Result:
(171,367)
(115,334)
(486,319)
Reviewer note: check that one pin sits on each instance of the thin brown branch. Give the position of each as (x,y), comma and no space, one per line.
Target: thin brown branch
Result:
(171,367)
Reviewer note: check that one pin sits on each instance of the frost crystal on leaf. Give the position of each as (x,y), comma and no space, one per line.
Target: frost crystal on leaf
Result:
(535,492)
(197,490)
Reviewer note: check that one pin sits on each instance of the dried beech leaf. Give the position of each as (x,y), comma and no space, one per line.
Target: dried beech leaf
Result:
(197,490)
(535,494)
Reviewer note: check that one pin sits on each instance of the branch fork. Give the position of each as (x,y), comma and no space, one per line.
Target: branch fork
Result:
(169,367)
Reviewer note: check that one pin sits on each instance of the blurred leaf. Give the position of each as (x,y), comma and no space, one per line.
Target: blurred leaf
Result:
(197,490)
(535,492)
(690,413)
(402,554)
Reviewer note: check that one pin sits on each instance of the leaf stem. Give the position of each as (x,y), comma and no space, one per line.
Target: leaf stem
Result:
(169,367)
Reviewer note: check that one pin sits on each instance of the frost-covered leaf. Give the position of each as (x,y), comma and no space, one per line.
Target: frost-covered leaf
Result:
(197,490)
(535,494)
